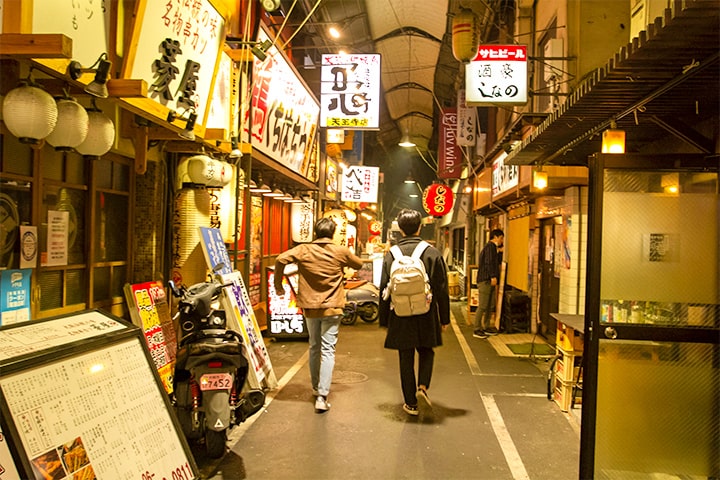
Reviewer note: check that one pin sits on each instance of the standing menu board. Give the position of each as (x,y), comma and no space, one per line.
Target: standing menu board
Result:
(84,401)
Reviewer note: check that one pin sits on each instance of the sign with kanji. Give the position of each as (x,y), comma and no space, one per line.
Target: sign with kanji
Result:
(350,91)
(466,122)
(497,74)
(360,184)
(449,154)
(504,177)
(438,199)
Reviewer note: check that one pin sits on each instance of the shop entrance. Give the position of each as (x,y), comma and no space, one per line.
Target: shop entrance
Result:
(549,277)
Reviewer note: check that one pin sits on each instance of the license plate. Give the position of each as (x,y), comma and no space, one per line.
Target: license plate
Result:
(216,381)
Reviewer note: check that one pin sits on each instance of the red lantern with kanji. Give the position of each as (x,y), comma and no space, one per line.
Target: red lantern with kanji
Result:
(438,199)
(375,227)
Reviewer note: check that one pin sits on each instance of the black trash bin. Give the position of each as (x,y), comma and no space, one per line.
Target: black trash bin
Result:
(516,312)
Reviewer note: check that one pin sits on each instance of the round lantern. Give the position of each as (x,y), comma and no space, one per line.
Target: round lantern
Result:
(30,113)
(375,227)
(72,125)
(438,199)
(204,170)
(100,136)
(465,35)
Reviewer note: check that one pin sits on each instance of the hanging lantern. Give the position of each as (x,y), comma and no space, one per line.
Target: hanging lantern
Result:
(100,136)
(375,227)
(30,113)
(438,200)
(72,125)
(465,35)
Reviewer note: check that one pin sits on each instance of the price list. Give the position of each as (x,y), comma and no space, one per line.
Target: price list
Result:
(96,415)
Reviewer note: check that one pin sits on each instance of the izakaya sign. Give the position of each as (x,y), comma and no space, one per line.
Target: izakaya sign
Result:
(498,74)
(350,91)
(449,155)
(504,176)
(360,184)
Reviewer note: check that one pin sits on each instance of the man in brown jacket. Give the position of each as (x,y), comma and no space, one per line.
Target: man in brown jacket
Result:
(321,295)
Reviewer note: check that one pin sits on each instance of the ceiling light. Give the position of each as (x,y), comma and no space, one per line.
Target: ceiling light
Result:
(409,178)
(262,188)
(405,141)
(540,179)
(334,32)
(275,193)
(613,140)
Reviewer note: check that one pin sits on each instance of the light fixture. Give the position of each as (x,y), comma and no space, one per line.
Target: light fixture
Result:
(540,179)
(101,67)
(72,124)
(29,112)
(334,32)
(613,139)
(100,135)
(235,151)
(261,188)
(259,49)
(405,141)
(187,132)
(409,178)
(274,193)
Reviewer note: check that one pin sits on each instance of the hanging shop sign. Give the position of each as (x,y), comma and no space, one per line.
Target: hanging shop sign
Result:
(504,177)
(437,200)
(360,184)
(466,122)
(341,220)
(176,49)
(284,113)
(350,91)
(449,155)
(225,101)
(331,180)
(497,74)
(302,221)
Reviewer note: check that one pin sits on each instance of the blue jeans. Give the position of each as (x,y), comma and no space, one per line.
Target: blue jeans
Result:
(323,335)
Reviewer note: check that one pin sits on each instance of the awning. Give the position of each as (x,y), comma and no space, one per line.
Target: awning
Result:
(664,82)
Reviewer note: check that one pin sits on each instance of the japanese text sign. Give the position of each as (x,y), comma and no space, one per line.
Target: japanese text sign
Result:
(284,111)
(302,220)
(177,46)
(466,122)
(449,154)
(498,74)
(360,184)
(504,176)
(350,91)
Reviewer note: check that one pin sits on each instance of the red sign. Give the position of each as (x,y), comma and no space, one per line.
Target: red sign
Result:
(375,227)
(438,200)
(449,154)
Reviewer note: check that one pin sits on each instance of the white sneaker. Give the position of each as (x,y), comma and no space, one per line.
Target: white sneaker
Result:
(321,404)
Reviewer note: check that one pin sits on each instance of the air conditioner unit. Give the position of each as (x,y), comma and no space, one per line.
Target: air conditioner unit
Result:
(553,49)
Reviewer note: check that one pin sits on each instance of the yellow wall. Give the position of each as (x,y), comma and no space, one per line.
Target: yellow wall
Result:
(516,252)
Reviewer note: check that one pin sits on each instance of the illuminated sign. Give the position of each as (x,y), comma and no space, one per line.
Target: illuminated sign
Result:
(350,91)
(497,74)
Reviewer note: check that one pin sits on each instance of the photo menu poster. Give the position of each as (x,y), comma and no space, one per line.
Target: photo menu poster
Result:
(96,414)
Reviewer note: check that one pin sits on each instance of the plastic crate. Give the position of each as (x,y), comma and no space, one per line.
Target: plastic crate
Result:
(568,339)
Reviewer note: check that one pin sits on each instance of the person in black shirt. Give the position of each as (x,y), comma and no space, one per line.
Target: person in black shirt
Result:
(488,277)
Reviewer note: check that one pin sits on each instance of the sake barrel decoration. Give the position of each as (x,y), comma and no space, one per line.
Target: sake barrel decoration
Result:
(438,200)
(465,35)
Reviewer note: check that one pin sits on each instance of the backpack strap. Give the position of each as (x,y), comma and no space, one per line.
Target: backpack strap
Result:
(396,252)
(419,249)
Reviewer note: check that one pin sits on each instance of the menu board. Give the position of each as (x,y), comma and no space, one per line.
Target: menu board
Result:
(91,409)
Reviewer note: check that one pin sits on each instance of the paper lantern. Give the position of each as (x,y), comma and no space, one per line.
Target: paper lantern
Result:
(72,125)
(30,113)
(302,220)
(375,227)
(465,35)
(438,199)
(100,136)
(204,170)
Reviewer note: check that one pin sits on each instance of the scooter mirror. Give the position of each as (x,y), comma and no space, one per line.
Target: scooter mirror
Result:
(174,289)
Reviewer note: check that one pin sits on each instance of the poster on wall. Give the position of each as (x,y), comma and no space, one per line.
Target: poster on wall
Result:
(285,318)
(58,229)
(28,246)
(15,299)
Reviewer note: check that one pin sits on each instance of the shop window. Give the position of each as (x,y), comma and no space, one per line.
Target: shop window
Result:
(16,157)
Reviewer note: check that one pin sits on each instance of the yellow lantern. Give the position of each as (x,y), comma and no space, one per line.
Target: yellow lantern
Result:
(465,35)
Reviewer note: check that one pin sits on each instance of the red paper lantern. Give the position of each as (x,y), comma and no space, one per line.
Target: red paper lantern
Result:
(438,199)
(375,227)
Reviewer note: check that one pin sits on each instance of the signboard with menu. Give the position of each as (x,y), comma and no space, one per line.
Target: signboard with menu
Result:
(81,399)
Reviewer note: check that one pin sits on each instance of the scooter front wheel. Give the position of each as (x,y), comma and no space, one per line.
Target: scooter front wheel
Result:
(369,312)
(215,443)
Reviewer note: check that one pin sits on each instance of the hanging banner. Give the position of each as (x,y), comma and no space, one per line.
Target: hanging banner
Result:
(360,184)
(498,74)
(284,111)
(350,91)
(466,122)
(449,154)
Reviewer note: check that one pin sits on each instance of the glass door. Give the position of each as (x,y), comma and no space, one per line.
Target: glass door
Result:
(652,356)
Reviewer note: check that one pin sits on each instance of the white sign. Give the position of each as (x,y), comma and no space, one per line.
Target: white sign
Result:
(177,45)
(360,184)
(504,177)
(58,227)
(28,246)
(466,122)
(302,220)
(350,91)
(284,111)
(498,74)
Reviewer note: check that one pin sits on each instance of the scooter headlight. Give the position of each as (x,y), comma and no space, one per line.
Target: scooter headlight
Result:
(217,321)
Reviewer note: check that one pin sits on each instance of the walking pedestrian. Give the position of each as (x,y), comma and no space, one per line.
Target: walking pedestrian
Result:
(321,295)
(488,278)
(417,333)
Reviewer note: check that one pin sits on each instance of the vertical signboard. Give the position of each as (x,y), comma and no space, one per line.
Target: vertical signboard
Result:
(350,91)
(498,74)
(466,122)
(449,154)
(360,184)
(285,318)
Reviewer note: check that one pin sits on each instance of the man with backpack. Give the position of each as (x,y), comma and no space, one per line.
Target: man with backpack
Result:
(415,307)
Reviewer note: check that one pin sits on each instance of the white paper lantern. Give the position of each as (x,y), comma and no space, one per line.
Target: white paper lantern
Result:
(72,125)
(204,170)
(30,113)
(100,136)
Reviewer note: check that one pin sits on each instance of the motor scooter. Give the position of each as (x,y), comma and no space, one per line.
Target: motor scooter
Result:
(211,369)
(362,299)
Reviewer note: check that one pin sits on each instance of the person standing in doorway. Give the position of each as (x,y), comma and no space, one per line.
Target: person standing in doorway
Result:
(488,278)
(321,295)
(421,333)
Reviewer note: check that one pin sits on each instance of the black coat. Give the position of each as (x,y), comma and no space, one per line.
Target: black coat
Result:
(418,330)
